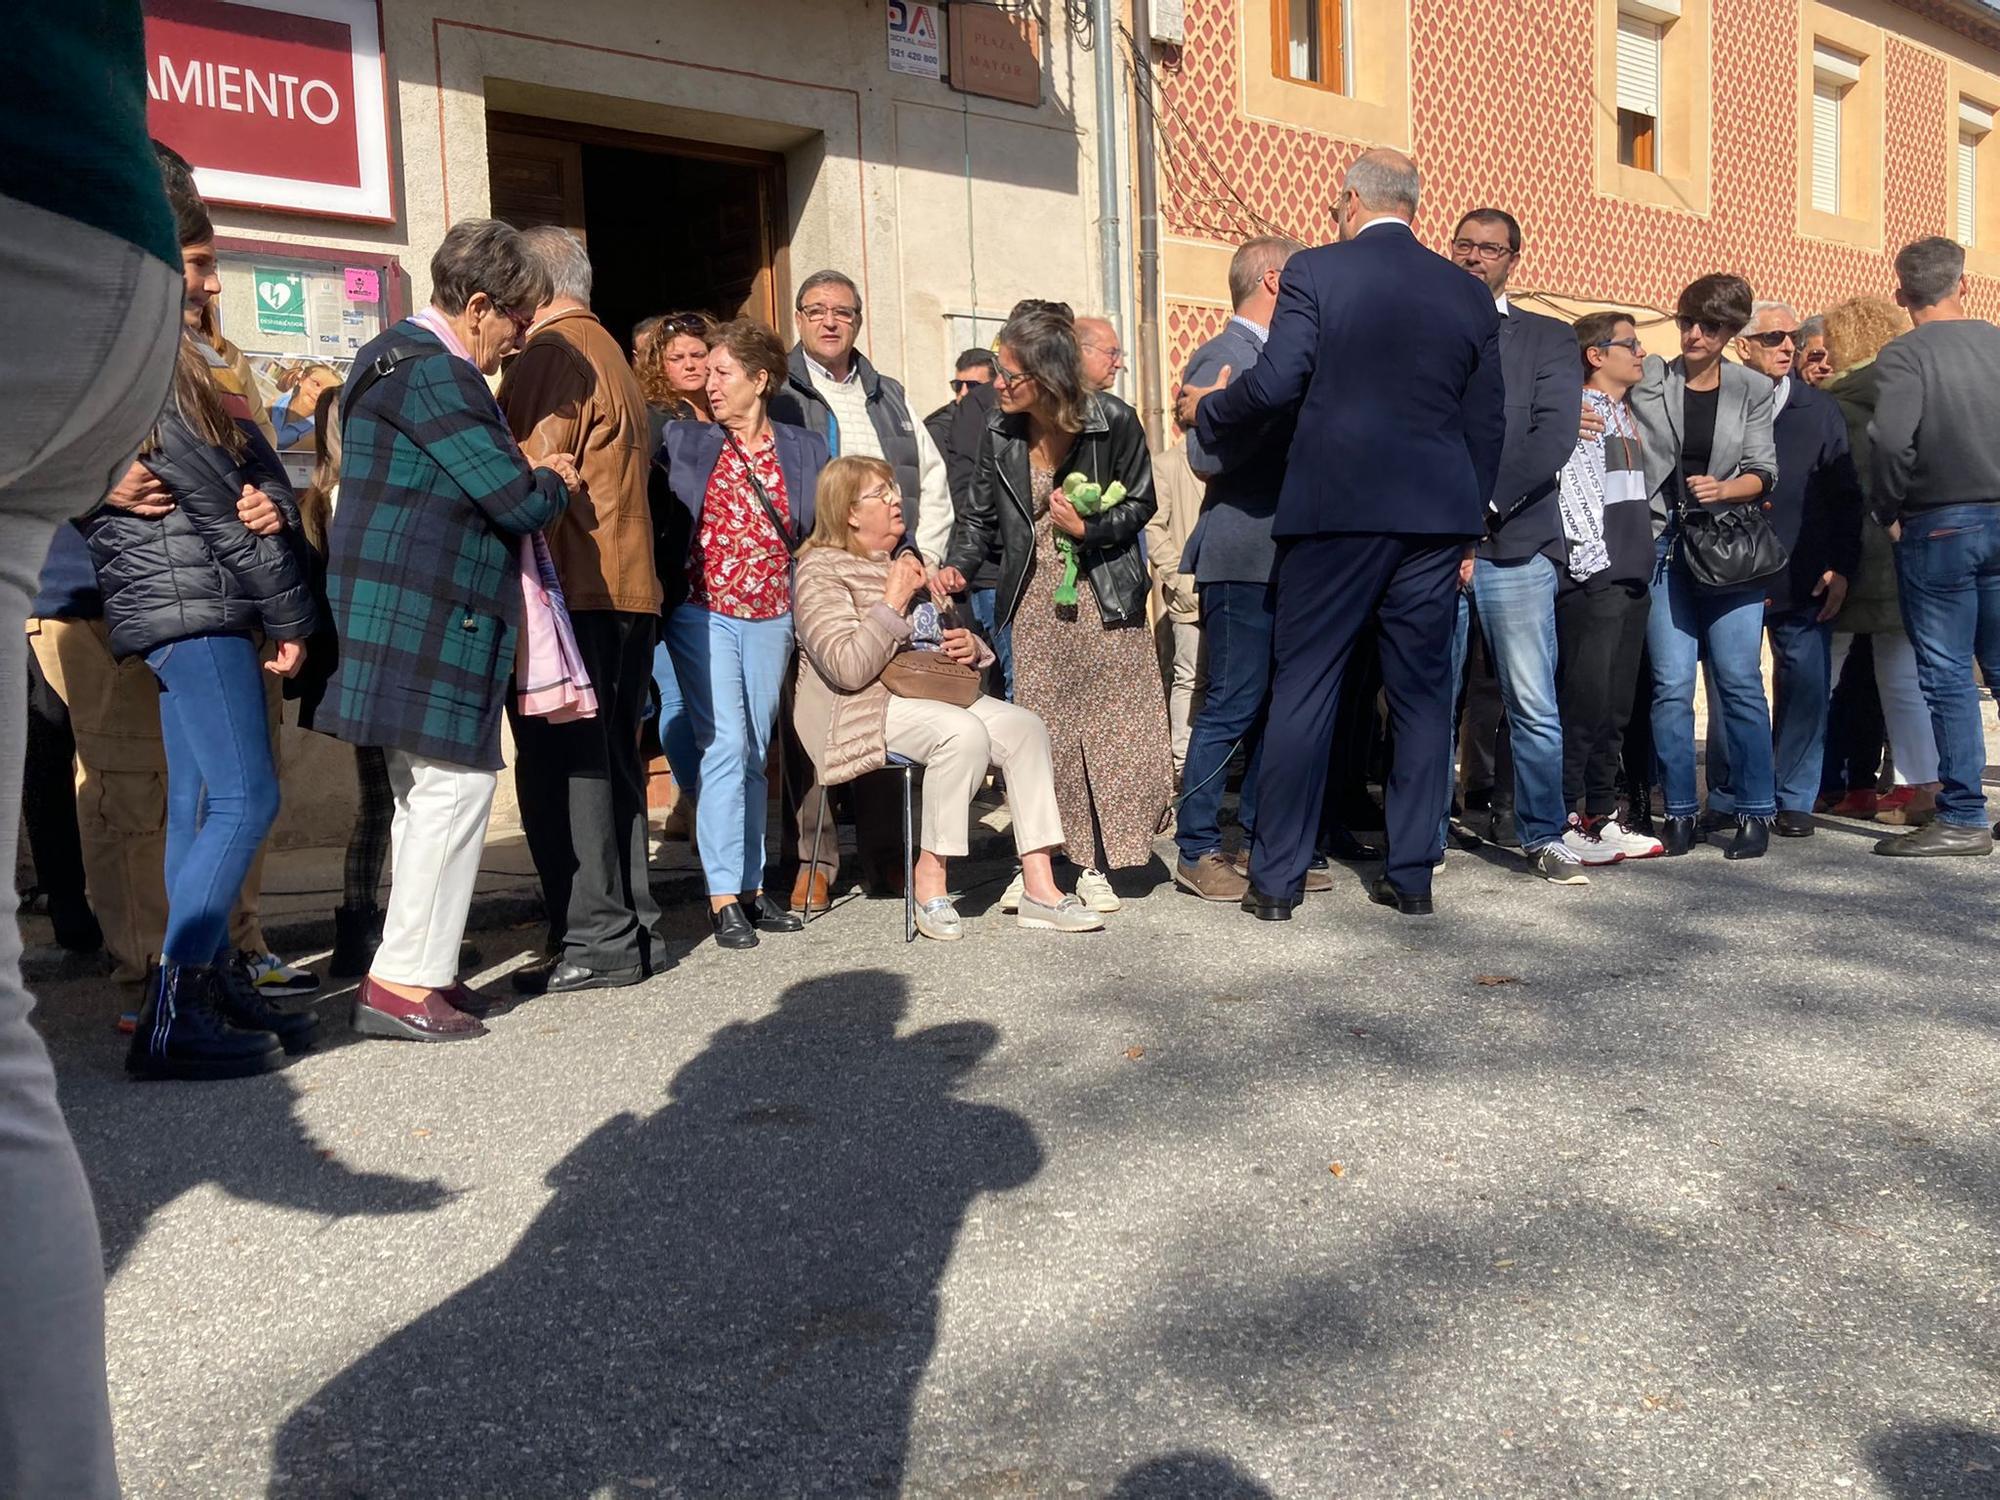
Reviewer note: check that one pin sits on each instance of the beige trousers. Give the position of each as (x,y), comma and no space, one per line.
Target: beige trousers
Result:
(1185,670)
(955,746)
(121,791)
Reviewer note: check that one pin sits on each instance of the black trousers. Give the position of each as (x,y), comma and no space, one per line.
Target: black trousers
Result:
(582,788)
(1600,637)
(1854,727)
(1329,590)
(1485,752)
(48,799)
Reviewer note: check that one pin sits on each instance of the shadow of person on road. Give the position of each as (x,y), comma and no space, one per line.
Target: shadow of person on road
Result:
(1938,1463)
(734,1296)
(1188,1476)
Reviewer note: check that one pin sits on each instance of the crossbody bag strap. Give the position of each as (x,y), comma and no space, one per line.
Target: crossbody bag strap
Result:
(362,380)
(778,522)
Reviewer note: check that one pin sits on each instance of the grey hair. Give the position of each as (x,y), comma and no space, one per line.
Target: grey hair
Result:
(486,255)
(1812,328)
(1929,270)
(1254,258)
(1764,305)
(819,279)
(1384,179)
(562,255)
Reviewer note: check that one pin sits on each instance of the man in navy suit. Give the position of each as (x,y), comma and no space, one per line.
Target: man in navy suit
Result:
(1391,357)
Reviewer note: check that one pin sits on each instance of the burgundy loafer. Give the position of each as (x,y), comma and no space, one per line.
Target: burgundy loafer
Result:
(432,1019)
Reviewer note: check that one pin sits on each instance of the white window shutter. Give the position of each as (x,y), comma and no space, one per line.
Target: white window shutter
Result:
(1639,65)
(1968,186)
(1826,148)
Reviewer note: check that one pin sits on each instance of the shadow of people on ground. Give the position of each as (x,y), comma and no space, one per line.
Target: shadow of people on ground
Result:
(1188,1476)
(1939,1463)
(733,1297)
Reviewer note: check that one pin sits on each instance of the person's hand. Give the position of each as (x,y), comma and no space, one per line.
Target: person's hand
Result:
(1063,515)
(564,468)
(1706,488)
(944,582)
(962,646)
(1591,424)
(1465,565)
(291,656)
(906,576)
(1188,399)
(1834,587)
(141,494)
(1895,532)
(259,512)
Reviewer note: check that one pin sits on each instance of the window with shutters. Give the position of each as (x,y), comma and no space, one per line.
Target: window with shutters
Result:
(1975,124)
(1309,43)
(1639,45)
(1840,124)
(1653,127)
(1336,68)
(1834,73)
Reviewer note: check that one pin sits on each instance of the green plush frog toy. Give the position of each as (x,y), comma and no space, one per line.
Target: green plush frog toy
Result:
(1089,500)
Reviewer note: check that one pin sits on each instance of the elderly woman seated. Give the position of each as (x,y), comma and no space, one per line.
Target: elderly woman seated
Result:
(853,607)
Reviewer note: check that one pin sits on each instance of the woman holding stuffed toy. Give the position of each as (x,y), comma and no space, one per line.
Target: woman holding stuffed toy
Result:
(1065,487)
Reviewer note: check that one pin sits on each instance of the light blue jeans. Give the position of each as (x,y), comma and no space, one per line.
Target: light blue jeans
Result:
(676,728)
(1517,610)
(1725,628)
(730,673)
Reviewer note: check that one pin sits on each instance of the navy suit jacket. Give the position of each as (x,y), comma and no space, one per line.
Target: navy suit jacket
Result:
(1544,379)
(1391,356)
(1815,507)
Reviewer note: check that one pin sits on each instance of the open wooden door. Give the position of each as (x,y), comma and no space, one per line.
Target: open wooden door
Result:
(536,179)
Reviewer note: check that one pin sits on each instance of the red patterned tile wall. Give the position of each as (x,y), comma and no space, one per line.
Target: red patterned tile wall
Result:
(1501,101)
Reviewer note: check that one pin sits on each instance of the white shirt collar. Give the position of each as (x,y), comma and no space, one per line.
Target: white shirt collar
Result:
(816,370)
(1783,394)
(1263,333)
(1505,308)
(1384,219)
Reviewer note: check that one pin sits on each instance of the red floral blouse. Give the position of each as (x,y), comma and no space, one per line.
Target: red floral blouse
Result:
(739,566)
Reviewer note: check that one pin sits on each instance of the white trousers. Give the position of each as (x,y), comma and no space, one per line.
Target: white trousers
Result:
(1905,714)
(955,746)
(436,839)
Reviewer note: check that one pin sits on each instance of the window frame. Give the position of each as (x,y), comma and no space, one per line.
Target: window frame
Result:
(1840,52)
(1678,179)
(1333,22)
(1981,90)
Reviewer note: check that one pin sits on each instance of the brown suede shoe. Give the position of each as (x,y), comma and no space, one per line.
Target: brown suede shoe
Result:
(810,887)
(1212,877)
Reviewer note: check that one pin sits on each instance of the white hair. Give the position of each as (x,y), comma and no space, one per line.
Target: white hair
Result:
(562,255)
(1758,309)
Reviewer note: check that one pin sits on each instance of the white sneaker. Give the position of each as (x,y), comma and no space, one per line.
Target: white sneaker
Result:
(1589,845)
(1631,845)
(1010,899)
(1095,892)
(1558,864)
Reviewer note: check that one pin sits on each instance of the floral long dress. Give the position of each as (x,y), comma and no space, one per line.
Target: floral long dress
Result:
(1098,689)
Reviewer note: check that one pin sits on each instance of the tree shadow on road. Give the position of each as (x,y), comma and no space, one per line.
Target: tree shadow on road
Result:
(734,1296)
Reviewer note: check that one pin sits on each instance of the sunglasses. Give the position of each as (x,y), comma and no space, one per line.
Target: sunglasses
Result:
(1713,330)
(684,323)
(1004,376)
(960,387)
(1777,338)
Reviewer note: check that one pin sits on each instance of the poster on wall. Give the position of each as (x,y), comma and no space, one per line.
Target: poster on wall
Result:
(278,104)
(913,38)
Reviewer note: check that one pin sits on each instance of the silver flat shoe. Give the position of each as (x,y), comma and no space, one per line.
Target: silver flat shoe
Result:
(1067,915)
(938,918)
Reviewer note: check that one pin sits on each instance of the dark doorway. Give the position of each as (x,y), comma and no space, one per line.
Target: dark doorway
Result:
(670,225)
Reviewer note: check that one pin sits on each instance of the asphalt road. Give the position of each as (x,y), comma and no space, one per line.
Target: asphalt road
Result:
(1684,1184)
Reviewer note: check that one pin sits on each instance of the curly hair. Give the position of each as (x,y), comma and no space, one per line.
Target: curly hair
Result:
(652,340)
(1857,329)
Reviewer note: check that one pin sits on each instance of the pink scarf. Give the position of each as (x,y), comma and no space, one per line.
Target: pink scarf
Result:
(549,675)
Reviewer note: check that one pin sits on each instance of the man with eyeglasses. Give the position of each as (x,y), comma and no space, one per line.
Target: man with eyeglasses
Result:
(1103,356)
(835,391)
(1815,507)
(1520,558)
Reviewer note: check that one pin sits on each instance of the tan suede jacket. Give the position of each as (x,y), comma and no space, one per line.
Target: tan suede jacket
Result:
(571,391)
(846,635)
(1180,491)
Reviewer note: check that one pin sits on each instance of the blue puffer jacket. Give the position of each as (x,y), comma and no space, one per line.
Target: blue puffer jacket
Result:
(198,570)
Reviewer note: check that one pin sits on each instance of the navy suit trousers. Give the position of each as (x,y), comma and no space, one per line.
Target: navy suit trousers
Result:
(1329,588)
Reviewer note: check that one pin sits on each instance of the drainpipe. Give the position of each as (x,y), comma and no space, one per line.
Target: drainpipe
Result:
(1152,379)
(1110,229)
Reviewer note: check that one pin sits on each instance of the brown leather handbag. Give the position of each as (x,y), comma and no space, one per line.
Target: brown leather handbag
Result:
(933,676)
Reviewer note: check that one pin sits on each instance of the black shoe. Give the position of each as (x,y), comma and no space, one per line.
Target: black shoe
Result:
(1384,894)
(1793,825)
(1753,838)
(1343,845)
(559,976)
(1676,836)
(1711,821)
(1639,814)
(181,1035)
(768,916)
(1503,830)
(732,927)
(1939,839)
(357,933)
(1267,908)
(75,924)
(239,1003)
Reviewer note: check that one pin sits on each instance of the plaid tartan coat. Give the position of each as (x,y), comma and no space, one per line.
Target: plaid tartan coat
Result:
(423,573)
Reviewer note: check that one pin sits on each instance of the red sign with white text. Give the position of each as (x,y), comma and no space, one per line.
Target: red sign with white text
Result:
(274,105)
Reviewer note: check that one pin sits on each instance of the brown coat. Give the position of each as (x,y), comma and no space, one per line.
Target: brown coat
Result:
(1180,491)
(846,635)
(571,391)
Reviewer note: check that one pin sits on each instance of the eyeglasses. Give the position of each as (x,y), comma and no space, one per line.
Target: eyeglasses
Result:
(889,494)
(1713,330)
(1004,376)
(1484,249)
(960,387)
(821,312)
(1631,344)
(1113,353)
(1777,338)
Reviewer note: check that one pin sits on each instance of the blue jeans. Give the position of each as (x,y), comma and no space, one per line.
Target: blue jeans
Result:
(222,788)
(1801,687)
(1002,636)
(1517,610)
(730,674)
(1687,625)
(1461,647)
(1236,628)
(676,727)
(1948,570)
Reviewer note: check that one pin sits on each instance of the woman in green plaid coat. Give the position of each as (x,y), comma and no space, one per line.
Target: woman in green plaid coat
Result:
(423,581)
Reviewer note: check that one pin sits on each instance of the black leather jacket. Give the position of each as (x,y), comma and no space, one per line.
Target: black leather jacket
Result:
(1112,446)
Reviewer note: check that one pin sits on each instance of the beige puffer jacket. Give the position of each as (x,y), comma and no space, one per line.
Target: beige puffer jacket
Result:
(846,635)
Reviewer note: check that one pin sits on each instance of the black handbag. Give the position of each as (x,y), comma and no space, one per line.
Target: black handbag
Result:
(1730,546)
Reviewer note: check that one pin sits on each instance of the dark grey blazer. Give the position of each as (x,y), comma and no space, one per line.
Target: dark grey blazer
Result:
(1231,542)
(1744,440)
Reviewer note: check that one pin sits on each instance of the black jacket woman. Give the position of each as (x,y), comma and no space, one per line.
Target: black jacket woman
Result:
(190,592)
(1088,668)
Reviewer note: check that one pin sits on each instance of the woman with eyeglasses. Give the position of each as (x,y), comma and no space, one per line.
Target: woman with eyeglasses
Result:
(1087,668)
(1705,428)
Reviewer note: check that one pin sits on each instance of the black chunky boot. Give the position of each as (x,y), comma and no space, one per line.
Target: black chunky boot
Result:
(1676,836)
(357,933)
(242,1006)
(181,1034)
(1753,838)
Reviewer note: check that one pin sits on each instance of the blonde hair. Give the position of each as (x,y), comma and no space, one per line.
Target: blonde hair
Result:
(840,485)
(1857,329)
(316,504)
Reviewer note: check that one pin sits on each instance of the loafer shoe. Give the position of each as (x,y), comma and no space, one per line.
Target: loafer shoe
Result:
(732,926)
(1793,825)
(1409,903)
(562,977)
(1267,908)
(377,1012)
(767,916)
(1067,915)
(1938,839)
(938,918)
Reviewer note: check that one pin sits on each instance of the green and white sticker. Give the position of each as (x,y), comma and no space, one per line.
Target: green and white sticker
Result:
(281,301)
